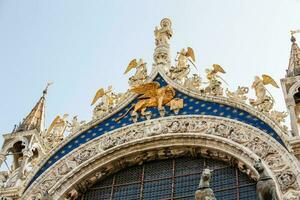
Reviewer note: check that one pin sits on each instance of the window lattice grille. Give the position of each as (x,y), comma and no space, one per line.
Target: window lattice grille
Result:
(172,179)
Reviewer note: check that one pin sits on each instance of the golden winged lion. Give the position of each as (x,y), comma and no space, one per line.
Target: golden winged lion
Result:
(152,95)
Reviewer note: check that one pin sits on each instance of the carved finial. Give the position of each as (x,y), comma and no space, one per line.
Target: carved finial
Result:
(46,89)
(293,39)
(294,32)
(294,62)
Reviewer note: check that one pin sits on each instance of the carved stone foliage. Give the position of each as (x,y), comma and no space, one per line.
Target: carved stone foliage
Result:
(250,138)
(287,179)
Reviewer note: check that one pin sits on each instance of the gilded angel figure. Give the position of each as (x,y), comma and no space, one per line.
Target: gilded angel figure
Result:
(263,101)
(141,72)
(107,100)
(182,68)
(55,132)
(214,83)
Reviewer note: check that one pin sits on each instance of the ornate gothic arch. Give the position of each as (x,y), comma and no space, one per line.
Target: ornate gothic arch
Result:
(216,137)
(294,89)
(24,141)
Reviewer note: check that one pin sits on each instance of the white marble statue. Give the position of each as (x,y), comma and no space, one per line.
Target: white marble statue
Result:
(164,33)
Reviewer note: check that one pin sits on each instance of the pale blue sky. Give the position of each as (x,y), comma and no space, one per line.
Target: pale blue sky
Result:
(83,45)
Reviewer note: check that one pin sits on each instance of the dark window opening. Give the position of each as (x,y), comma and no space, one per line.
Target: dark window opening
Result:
(173,179)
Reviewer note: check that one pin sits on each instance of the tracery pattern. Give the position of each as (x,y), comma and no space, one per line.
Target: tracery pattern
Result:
(173,179)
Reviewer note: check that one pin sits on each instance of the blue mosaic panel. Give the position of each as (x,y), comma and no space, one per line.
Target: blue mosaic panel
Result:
(173,179)
(192,106)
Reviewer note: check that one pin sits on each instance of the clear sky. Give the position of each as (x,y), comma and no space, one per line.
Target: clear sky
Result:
(84,45)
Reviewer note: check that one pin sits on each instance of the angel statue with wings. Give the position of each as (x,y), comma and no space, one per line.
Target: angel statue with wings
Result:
(75,125)
(214,83)
(263,101)
(140,75)
(182,68)
(108,100)
(55,132)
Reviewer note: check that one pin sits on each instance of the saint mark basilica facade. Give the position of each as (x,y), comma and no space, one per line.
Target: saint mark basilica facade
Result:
(171,136)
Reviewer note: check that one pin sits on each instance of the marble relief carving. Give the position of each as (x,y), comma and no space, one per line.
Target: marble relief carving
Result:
(243,135)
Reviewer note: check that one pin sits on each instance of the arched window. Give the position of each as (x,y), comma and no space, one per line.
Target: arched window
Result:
(297,106)
(172,179)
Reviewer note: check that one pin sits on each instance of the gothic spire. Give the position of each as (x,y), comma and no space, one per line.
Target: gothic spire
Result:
(294,63)
(36,118)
